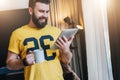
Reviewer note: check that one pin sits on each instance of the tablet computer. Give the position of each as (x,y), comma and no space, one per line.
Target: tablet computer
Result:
(67,33)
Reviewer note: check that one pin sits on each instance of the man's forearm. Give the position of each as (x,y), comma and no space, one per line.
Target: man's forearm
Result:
(66,56)
(15,64)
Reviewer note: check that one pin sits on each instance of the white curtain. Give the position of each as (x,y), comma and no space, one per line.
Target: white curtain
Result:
(97,40)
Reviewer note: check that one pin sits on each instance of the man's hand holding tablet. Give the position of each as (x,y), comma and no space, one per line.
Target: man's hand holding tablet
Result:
(66,33)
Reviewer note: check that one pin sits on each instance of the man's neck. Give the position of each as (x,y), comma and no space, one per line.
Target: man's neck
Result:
(31,24)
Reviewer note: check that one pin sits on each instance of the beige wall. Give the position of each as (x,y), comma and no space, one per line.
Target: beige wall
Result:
(13,4)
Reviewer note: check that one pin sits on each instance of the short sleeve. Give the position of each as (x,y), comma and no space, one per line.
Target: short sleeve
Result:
(14,43)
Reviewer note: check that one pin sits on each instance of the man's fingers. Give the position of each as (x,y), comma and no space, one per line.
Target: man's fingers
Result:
(30,58)
(30,52)
(64,38)
(71,39)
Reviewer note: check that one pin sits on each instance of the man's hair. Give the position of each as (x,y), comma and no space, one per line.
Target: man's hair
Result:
(32,2)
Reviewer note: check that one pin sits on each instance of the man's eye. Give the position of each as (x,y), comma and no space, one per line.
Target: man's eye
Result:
(47,11)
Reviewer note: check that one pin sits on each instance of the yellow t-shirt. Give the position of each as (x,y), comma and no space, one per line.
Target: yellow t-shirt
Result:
(26,38)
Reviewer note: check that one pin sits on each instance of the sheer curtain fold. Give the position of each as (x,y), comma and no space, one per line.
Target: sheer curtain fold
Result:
(97,40)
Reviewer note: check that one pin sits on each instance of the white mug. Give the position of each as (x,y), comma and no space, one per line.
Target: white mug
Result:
(39,55)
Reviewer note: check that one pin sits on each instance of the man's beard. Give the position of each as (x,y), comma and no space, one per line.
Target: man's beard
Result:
(37,23)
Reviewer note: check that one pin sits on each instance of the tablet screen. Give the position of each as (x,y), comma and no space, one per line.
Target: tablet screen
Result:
(67,33)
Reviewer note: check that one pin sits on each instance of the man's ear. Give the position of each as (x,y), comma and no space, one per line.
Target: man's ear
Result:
(30,10)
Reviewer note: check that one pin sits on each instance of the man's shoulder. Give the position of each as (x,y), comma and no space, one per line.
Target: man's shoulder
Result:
(19,29)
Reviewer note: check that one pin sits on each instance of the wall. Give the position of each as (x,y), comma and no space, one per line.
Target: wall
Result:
(13,4)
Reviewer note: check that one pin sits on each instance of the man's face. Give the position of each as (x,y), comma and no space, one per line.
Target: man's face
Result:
(40,14)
